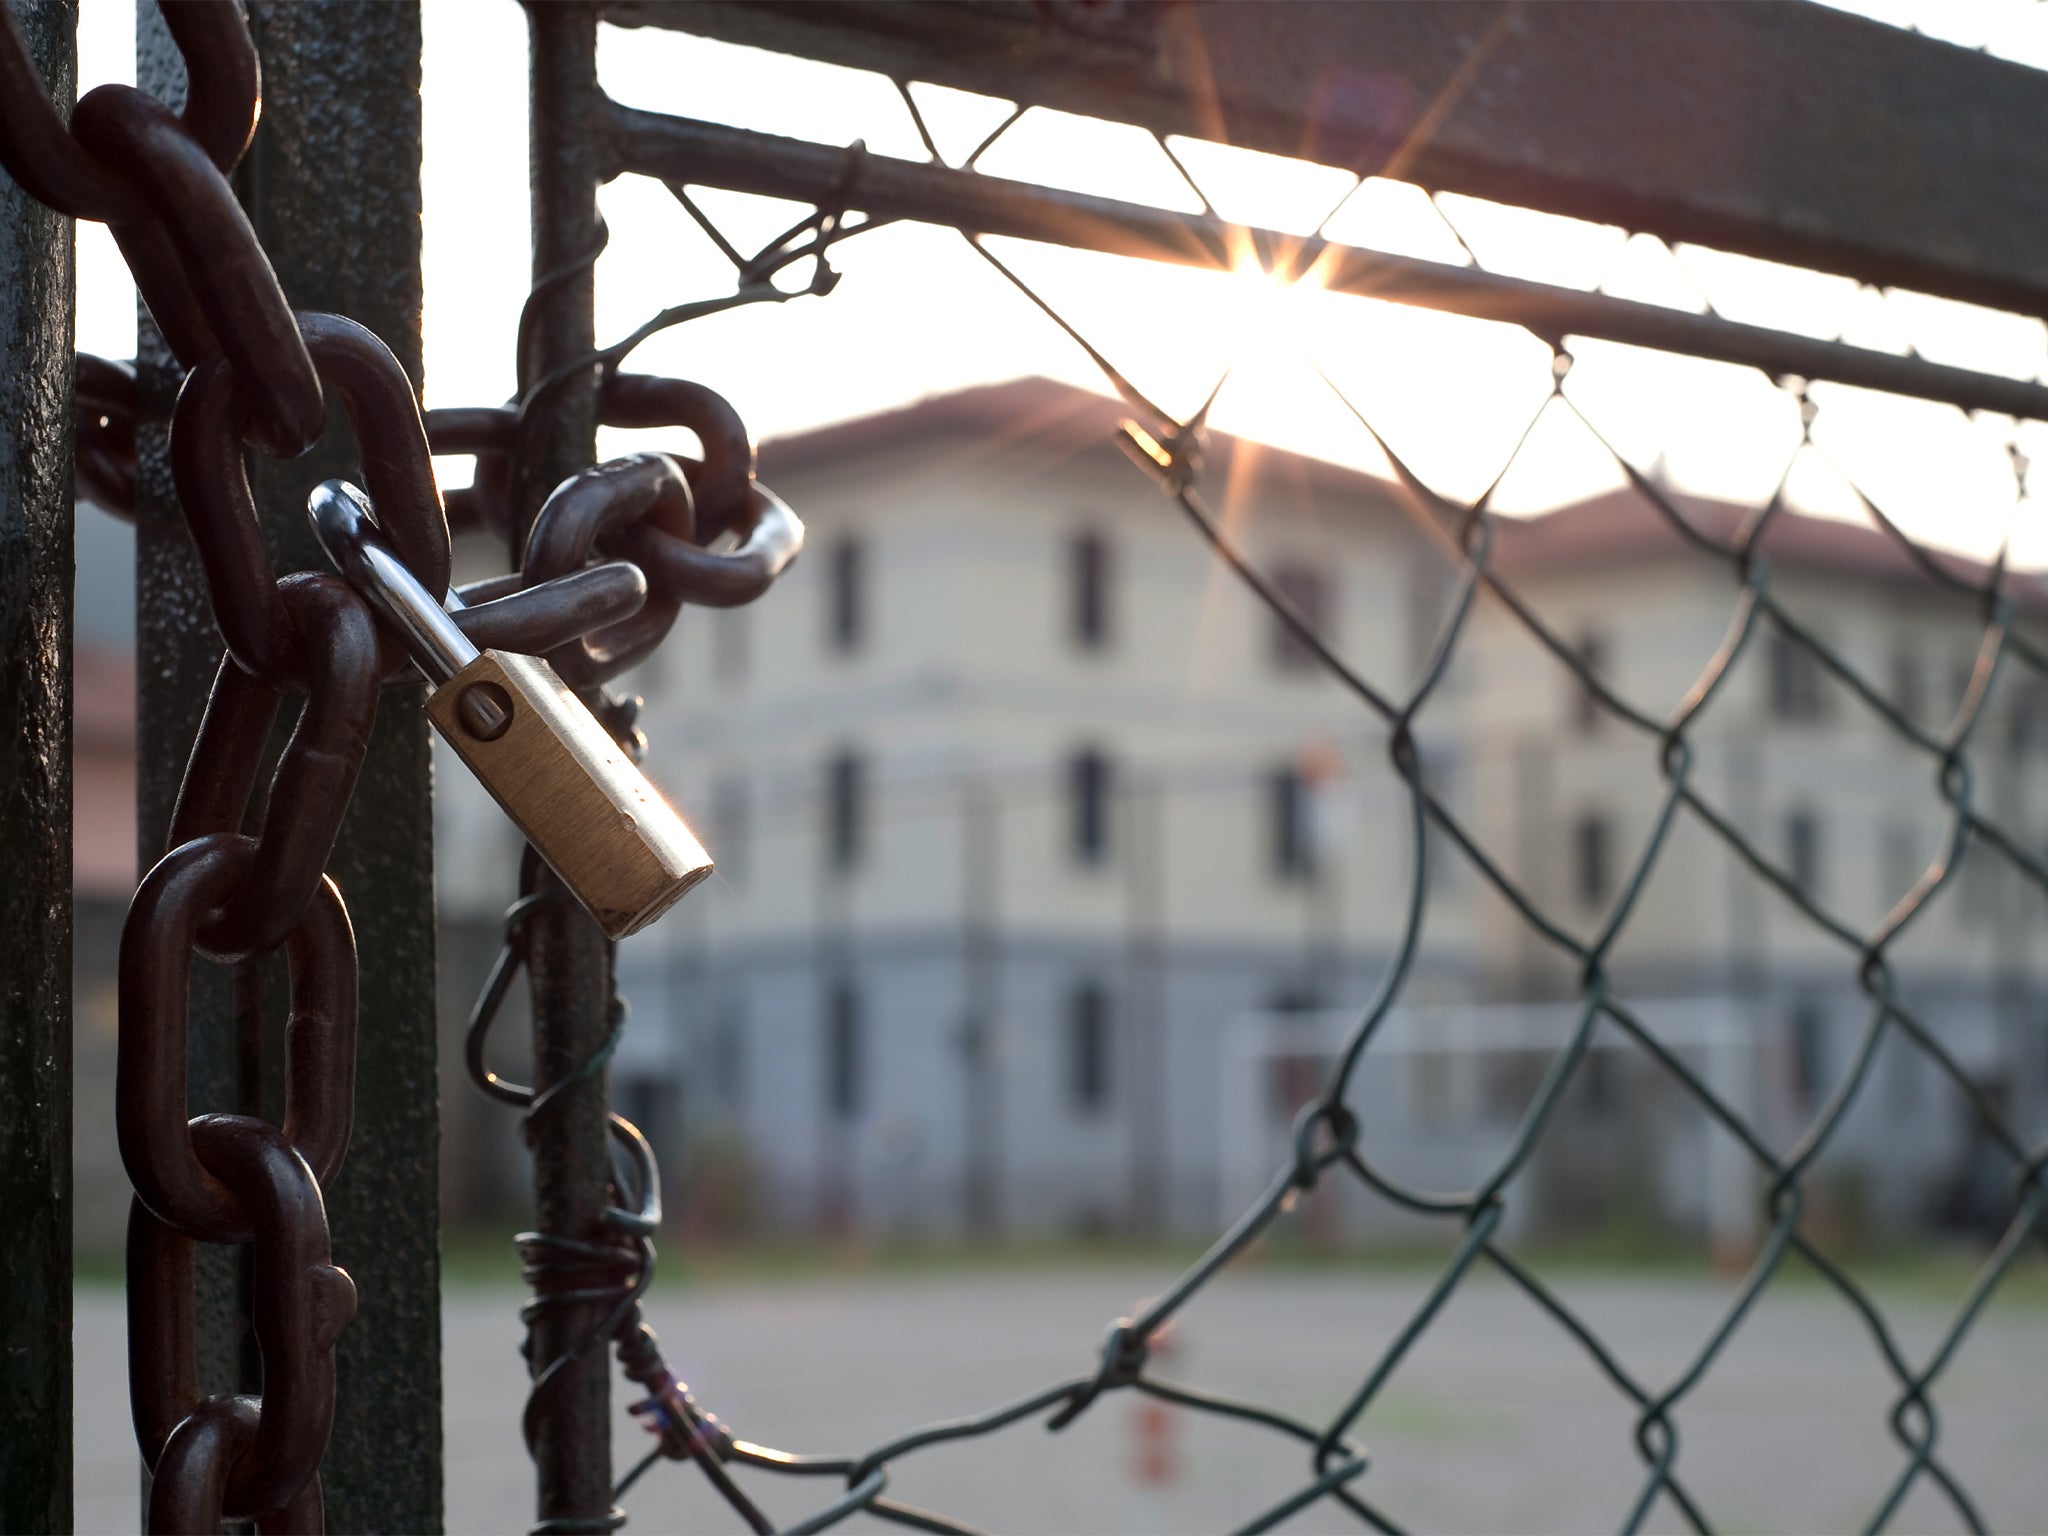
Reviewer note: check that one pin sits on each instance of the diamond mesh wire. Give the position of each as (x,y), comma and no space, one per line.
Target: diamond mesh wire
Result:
(1329,1140)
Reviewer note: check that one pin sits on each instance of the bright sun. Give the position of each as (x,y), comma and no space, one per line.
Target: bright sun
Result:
(1268,316)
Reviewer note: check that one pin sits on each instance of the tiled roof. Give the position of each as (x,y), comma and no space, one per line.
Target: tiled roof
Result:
(1618,527)
(1044,413)
(1622,527)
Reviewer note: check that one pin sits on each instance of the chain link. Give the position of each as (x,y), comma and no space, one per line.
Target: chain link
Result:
(258,376)
(161,181)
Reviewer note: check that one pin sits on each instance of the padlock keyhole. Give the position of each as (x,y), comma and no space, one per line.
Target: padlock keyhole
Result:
(485,711)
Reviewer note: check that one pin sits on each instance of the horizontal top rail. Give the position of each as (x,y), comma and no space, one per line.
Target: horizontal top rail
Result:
(741,160)
(1789,132)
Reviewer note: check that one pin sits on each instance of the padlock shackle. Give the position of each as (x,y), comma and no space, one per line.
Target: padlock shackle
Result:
(347,529)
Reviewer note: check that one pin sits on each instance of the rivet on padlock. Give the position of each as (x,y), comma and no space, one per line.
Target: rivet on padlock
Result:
(616,843)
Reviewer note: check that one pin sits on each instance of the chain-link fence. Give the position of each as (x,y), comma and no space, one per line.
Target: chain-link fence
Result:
(1768,626)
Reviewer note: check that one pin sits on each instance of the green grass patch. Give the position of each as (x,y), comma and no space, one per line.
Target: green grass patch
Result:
(479,1258)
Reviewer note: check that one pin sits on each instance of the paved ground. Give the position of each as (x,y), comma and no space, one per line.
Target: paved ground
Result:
(1496,1422)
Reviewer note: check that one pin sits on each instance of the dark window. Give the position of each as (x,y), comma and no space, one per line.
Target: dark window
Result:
(1586,705)
(1088,790)
(1795,680)
(1802,853)
(1906,692)
(1090,572)
(843,1073)
(1809,1055)
(845,621)
(845,789)
(1293,856)
(1593,853)
(1088,1065)
(1307,592)
(1294,997)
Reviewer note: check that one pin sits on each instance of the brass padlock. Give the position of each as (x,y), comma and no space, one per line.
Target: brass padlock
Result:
(587,810)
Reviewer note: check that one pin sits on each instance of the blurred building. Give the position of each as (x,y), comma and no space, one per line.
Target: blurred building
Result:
(1053,870)
(1054,873)
(1019,802)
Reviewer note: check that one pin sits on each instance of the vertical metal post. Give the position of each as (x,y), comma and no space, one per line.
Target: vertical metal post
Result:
(568,959)
(981,848)
(333,187)
(35,828)
(1143,1061)
(333,184)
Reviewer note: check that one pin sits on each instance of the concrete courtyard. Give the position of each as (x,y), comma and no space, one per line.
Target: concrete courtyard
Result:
(1496,1421)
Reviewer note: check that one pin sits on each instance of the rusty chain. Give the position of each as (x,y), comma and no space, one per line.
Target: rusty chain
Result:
(654,514)
(259,375)
(160,181)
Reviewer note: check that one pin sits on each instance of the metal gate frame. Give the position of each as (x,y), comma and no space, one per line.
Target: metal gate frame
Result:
(1864,151)
(1792,133)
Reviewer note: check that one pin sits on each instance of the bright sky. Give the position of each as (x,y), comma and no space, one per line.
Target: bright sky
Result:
(917,312)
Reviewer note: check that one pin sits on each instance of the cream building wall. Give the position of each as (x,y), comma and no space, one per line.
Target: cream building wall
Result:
(968,916)
(903,1044)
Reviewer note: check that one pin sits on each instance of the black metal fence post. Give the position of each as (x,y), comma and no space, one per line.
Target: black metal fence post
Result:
(333,187)
(332,181)
(35,828)
(568,960)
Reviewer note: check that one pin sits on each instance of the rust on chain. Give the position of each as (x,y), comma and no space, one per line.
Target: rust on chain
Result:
(150,1095)
(720,479)
(659,510)
(212,478)
(224,81)
(770,536)
(580,511)
(391,441)
(160,180)
(315,777)
(222,99)
(232,1178)
(503,613)
(227,755)
(235,1457)
(487,432)
(472,428)
(217,290)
